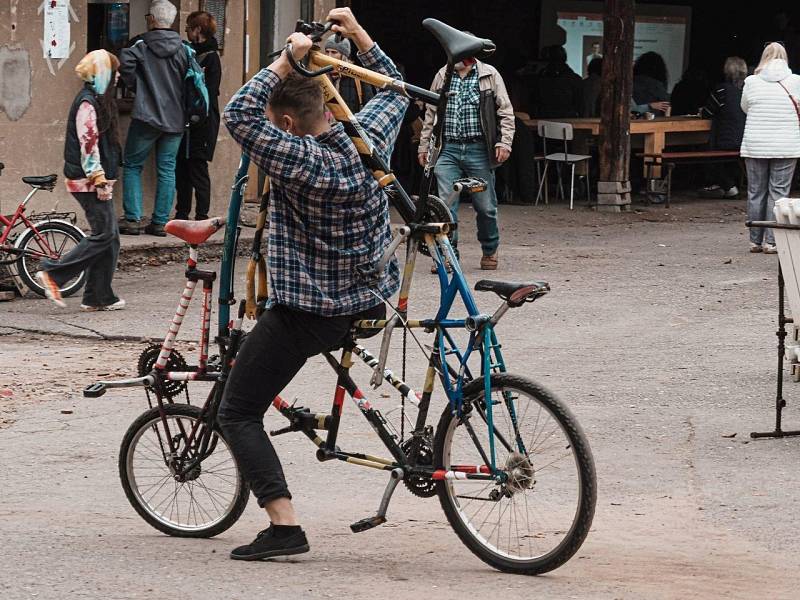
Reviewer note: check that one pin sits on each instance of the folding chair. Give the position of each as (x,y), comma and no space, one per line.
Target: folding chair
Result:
(551,130)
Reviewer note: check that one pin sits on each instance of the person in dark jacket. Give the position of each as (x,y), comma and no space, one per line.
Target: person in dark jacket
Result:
(557,92)
(199,142)
(591,88)
(650,84)
(91,167)
(154,67)
(354,93)
(690,92)
(724,107)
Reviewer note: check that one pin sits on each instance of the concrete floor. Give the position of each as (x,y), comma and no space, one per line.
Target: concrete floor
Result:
(658,333)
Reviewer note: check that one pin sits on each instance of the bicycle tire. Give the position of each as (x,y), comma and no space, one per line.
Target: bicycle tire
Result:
(127,449)
(27,267)
(585,475)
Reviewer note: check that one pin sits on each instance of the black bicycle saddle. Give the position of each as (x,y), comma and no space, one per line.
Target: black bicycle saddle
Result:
(457,44)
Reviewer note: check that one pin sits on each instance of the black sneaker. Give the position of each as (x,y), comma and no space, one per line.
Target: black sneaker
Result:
(155,229)
(267,545)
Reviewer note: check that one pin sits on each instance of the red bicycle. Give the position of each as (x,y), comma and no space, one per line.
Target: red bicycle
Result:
(25,240)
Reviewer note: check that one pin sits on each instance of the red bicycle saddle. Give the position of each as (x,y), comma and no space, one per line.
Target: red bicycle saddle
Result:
(194,232)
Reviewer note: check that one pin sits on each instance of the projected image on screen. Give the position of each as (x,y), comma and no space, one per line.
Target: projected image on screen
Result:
(665,35)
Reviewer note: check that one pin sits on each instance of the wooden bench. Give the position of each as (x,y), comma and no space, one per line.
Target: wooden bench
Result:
(654,162)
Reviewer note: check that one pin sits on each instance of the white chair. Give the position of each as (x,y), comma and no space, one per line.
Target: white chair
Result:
(551,130)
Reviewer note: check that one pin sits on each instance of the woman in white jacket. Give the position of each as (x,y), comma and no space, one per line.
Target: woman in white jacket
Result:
(771,142)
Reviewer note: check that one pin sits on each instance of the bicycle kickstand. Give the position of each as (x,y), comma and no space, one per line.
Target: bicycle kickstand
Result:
(380,518)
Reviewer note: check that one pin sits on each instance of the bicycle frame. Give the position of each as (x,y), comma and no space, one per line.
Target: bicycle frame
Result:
(482,336)
(19,218)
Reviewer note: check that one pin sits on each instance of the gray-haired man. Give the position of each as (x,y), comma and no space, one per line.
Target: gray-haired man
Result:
(154,67)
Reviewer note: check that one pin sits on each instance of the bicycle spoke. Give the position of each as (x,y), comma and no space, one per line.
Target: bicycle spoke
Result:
(510,525)
(202,495)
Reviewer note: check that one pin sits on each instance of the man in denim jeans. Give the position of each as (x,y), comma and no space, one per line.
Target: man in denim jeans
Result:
(478,130)
(154,67)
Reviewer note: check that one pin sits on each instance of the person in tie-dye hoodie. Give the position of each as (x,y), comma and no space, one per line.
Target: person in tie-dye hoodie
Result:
(91,167)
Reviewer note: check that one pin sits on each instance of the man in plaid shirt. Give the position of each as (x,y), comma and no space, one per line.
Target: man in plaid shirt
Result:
(328,216)
(478,131)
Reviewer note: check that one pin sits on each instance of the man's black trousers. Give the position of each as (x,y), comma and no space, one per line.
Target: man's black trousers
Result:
(271,355)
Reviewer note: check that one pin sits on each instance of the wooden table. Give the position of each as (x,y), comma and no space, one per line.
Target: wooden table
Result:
(658,133)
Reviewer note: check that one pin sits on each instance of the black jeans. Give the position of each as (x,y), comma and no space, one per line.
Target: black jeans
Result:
(271,355)
(96,254)
(192,174)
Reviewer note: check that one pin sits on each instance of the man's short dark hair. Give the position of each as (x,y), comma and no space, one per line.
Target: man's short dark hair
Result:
(299,95)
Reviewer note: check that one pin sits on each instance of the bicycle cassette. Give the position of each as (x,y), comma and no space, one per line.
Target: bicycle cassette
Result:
(176,362)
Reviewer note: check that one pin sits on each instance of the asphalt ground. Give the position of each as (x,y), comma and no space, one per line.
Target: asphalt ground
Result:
(659,333)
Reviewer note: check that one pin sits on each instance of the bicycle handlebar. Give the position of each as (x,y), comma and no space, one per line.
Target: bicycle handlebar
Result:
(301,69)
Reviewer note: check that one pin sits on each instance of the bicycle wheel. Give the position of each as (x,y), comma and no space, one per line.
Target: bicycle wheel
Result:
(57,239)
(538,518)
(213,495)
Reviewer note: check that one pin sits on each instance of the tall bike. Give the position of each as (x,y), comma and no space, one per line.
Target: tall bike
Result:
(509,462)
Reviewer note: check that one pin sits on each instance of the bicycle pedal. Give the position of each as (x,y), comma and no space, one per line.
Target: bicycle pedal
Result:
(367,523)
(94,391)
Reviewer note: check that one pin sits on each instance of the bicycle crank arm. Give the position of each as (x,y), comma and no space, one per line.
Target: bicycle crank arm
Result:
(380,518)
(99,388)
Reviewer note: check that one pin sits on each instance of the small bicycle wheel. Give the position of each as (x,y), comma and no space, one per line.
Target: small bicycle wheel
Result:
(54,241)
(205,502)
(539,517)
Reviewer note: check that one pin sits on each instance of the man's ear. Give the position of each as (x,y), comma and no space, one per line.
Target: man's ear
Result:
(287,123)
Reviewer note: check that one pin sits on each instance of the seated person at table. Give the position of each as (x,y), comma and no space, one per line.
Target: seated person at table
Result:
(690,92)
(650,85)
(557,91)
(591,88)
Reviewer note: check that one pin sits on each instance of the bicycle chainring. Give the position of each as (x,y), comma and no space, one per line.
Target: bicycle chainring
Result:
(437,212)
(420,486)
(176,362)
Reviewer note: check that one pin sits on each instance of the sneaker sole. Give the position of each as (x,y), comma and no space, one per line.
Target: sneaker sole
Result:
(272,553)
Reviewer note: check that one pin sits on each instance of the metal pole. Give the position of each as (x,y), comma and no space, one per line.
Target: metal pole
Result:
(781,333)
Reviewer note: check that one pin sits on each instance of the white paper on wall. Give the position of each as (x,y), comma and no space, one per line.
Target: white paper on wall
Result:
(56,41)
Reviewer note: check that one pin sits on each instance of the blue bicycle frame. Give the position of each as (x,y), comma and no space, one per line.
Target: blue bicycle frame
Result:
(232,230)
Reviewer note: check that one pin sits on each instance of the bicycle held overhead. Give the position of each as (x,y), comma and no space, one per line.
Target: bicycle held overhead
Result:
(510,464)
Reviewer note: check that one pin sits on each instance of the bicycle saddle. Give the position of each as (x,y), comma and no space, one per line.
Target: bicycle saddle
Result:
(457,44)
(516,294)
(41,180)
(194,232)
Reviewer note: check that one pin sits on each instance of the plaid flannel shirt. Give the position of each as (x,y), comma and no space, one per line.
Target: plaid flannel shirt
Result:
(328,215)
(462,120)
